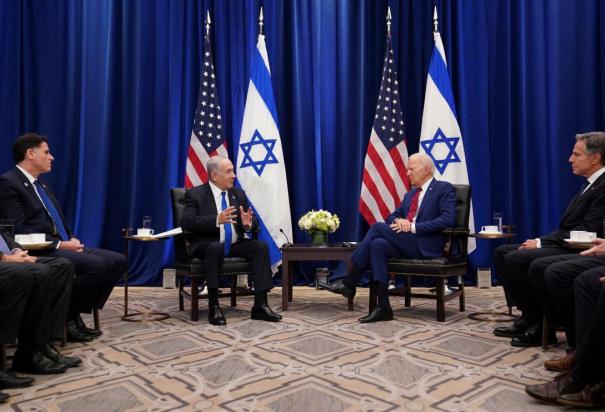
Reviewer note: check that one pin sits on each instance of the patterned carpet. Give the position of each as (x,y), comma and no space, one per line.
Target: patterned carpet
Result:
(318,359)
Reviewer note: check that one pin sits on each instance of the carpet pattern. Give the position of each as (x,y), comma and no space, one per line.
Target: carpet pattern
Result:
(318,359)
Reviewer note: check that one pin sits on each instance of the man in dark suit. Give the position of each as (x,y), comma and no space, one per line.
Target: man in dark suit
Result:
(414,230)
(221,222)
(34,298)
(584,212)
(31,203)
(582,381)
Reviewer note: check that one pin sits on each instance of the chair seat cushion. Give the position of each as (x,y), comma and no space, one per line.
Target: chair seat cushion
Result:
(231,266)
(428,267)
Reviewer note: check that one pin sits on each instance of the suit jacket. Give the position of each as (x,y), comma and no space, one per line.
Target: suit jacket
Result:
(437,212)
(199,215)
(586,211)
(19,201)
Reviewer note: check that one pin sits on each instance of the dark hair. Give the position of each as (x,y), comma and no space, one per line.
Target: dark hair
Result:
(595,143)
(26,142)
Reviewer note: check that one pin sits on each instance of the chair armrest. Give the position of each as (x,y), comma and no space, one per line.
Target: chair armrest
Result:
(456,231)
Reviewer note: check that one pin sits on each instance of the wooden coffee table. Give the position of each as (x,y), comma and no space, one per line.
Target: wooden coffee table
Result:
(307,252)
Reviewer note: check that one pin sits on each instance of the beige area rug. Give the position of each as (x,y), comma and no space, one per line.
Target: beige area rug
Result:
(318,359)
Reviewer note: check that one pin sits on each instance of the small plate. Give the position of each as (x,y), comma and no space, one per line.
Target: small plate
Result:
(143,237)
(579,242)
(483,232)
(35,246)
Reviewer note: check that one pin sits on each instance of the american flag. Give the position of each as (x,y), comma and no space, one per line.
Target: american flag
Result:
(385,178)
(207,137)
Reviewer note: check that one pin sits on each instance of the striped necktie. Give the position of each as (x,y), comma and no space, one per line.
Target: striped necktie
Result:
(228,228)
(414,205)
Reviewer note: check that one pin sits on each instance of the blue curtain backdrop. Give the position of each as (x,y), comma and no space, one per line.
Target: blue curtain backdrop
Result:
(113,84)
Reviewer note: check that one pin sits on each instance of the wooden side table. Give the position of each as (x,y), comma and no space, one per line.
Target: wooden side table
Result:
(307,252)
(137,316)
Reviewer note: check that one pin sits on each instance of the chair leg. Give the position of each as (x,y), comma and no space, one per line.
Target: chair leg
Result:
(440,300)
(462,303)
(64,338)
(233,291)
(181,300)
(2,357)
(95,316)
(544,334)
(408,291)
(194,299)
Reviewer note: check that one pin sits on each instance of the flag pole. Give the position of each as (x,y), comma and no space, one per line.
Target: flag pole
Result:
(389,21)
(208,22)
(260,21)
(435,21)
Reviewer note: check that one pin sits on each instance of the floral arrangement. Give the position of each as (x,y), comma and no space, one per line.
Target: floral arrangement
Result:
(319,221)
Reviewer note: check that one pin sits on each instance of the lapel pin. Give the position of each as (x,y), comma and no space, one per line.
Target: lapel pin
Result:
(25,184)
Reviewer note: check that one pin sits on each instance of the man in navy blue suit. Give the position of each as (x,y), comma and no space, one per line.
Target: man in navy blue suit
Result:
(414,230)
(31,203)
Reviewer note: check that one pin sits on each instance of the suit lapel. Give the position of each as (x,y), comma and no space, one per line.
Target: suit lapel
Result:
(581,197)
(207,198)
(426,198)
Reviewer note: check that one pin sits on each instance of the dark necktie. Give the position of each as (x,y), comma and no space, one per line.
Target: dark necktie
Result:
(4,246)
(52,211)
(414,205)
(228,232)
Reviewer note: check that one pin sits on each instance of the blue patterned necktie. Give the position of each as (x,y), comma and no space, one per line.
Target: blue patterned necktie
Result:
(4,246)
(52,211)
(228,233)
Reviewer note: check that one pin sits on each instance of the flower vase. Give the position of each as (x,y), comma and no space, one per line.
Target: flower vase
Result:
(319,238)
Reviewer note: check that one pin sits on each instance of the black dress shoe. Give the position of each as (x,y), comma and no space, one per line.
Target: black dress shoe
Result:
(533,337)
(9,380)
(3,397)
(377,315)
(264,312)
(215,316)
(74,334)
(340,288)
(85,329)
(36,363)
(510,331)
(53,354)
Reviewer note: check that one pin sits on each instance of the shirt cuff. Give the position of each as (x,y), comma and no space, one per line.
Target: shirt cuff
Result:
(217,225)
(538,243)
(413,228)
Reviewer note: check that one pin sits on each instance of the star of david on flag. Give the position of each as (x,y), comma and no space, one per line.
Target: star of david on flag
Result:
(261,171)
(440,135)
(258,160)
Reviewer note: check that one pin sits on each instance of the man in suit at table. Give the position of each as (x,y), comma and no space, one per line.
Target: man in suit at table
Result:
(585,212)
(221,221)
(414,230)
(34,299)
(31,203)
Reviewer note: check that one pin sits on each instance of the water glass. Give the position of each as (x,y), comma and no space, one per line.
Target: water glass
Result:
(146,222)
(497,219)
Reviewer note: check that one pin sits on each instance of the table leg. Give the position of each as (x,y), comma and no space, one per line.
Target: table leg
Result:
(126,279)
(285,282)
(349,266)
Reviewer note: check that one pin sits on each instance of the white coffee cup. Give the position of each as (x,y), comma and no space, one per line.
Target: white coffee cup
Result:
(582,236)
(37,237)
(490,229)
(144,232)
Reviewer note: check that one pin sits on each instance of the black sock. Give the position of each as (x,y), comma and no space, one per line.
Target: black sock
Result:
(382,292)
(353,276)
(260,298)
(212,297)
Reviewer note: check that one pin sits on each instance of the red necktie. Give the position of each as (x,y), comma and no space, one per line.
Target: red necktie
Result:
(414,205)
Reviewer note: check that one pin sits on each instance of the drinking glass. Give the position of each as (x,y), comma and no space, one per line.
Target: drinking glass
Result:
(146,222)
(497,219)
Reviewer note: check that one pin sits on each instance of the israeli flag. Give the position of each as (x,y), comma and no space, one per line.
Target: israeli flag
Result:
(260,160)
(440,136)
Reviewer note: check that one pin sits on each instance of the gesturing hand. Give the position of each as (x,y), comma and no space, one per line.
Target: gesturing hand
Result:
(227,216)
(246,217)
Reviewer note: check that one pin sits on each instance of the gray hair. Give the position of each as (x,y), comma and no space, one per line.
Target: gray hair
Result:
(595,143)
(213,164)
(425,160)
